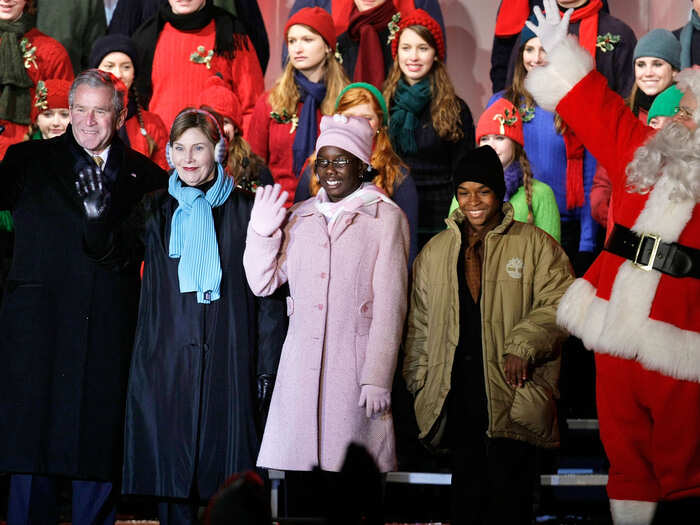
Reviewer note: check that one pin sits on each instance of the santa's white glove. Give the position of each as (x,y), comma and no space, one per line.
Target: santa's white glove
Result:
(551,29)
(268,211)
(375,399)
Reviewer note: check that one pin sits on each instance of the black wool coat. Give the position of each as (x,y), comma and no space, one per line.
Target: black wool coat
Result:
(191,404)
(68,313)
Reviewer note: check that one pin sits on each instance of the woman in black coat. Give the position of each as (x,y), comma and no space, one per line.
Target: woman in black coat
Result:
(202,338)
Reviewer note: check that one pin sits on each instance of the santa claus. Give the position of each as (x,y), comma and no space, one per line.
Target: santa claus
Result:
(638,306)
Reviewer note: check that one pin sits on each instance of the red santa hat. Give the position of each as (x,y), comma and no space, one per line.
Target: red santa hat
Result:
(218,96)
(420,18)
(501,118)
(317,19)
(50,94)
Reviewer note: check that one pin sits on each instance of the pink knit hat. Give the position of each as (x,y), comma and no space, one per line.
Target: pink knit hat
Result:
(352,134)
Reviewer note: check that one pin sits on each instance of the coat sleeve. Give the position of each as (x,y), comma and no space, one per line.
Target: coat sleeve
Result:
(415,364)
(258,136)
(406,196)
(389,284)
(264,260)
(248,79)
(12,177)
(600,195)
(272,330)
(546,211)
(536,336)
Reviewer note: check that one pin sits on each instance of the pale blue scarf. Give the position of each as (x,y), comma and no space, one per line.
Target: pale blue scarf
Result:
(193,237)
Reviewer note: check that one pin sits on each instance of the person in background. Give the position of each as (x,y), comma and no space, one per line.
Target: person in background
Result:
(184,44)
(689,36)
(482,347)
(287,117)
(206,349)
(69,309)
(143,130)
(76,24)
(428,123)
(343,254)
(247,169)
(637,306)
(28,56)
(365,47)
(510,20)
(386,171)
(50,112)
(341,11)
(657,59)
(533,201)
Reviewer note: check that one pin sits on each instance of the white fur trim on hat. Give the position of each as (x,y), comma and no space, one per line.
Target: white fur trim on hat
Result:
(566,65)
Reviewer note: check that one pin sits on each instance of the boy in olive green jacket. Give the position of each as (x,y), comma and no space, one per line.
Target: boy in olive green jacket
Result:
(483,348)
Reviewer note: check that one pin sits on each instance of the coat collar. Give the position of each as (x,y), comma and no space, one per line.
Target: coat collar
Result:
(456,218)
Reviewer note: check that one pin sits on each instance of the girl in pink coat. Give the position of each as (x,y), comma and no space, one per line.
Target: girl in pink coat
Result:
(343,253)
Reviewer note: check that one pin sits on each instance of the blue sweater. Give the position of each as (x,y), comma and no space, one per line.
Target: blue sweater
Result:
(546,151)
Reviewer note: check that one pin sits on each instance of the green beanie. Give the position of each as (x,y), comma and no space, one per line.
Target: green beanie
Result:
(666,103)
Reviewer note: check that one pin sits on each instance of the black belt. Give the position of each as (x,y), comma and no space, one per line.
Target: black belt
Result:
(648,252)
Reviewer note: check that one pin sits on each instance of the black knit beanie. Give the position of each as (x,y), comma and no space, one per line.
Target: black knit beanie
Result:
(480,165)
(107,44)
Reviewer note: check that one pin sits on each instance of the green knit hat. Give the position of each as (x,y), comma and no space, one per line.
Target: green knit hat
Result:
(660,43)
(375,92)
(666,103)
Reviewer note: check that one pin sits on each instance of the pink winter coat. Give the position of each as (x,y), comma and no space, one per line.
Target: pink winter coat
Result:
(346,312)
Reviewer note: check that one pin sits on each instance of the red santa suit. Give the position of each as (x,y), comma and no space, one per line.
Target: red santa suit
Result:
(643,325)
(48,60)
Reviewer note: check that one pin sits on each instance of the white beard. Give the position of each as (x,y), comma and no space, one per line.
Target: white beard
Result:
(673,151)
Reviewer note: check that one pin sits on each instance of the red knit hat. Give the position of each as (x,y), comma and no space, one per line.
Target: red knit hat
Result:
(50,94)
(317,19)
(501,118)
(218,96)
(420,18)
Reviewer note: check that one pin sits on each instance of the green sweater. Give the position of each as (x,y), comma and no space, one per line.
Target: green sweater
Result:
(544,208)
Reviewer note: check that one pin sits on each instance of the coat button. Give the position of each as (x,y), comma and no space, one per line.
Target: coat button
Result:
(324,245)
(320,307)
(364,308)
(323,275)
(348,221)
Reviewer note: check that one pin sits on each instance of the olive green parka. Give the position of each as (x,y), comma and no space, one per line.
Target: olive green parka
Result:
(525,273)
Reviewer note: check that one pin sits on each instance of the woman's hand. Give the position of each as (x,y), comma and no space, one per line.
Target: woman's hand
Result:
(516,370)
(268,211)
(375,399)
(551,29)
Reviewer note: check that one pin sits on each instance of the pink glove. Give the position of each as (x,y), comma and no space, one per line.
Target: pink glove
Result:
(375,399)
(268,211)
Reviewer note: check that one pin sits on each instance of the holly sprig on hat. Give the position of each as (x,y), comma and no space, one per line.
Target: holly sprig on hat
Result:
(28,53)
(202,56)
(508,118)
(607,42)
(393,27)
(41,96)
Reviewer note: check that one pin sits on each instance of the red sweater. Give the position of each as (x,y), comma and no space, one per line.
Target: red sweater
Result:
(273,142)
(177,81)
(156,129)
(52,61)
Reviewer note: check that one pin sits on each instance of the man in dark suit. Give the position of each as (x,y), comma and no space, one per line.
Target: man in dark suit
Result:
(68,314)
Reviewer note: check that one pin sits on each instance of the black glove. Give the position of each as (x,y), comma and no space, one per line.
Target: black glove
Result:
(92,189)
(266,383)
(581,262)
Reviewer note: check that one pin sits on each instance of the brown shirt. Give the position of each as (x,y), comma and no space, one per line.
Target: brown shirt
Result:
(473,246)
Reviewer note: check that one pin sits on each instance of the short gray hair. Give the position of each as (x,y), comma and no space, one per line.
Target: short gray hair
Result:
(96,79)
(689,79)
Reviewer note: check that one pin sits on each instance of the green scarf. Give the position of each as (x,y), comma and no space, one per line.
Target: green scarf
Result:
(15,98)
(407,104)
(6,223)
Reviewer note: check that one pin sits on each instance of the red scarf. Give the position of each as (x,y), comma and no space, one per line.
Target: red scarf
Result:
(364,27)
(511,17)
(588,38)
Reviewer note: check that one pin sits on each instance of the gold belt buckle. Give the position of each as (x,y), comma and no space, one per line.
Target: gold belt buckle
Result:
(657,240)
